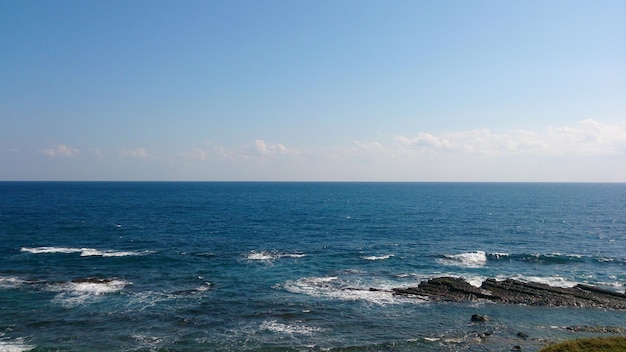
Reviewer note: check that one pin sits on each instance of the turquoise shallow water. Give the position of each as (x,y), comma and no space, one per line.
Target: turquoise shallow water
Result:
(289,266)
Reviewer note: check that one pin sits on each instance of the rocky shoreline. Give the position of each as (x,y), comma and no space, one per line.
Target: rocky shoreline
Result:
(512,291)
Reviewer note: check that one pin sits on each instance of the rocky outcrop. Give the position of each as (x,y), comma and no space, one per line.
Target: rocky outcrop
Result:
(515,292)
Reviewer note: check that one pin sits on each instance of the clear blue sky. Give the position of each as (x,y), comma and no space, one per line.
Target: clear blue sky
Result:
(313,90)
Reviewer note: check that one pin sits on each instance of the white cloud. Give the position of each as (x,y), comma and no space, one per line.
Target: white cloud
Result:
(587,138)
(61,151)
(266,149)
(136,154)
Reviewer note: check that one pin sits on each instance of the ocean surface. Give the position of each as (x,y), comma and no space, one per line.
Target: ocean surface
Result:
(122,266)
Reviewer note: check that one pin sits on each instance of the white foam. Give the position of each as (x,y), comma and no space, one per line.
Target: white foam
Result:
(17,345)
(293,255)
(205,287)
(87,252)
(382,257)
(265,256)
(334,288)
(280,328)
(84,252)
(10,282)
(271,256)
(45,250)
(77,293)
(476,259)
(556,281)
(150,342)
(97,288)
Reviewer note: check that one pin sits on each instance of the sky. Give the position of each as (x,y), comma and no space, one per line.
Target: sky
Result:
(282,90)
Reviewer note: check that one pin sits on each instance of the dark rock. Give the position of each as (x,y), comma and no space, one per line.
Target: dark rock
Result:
(522,335)
(515,292)
(444,289)
(479,318)
(597,329)
(91,280)
(516,348)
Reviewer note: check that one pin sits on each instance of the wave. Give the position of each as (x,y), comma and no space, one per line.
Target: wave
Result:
(556,281)
(291,329)
(469,260)
(332,287)
(16,345)
(382,257)
(271,256)
(80,291)
(84,252)
(480,259)
(10,282)
(556,258)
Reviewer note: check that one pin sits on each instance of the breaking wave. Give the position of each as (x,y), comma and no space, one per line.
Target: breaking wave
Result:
(16,345)
(382,257)
(332,287)
(479,259)
(469,260)
(80,291)
(271,256)
(84,252)
(291,329)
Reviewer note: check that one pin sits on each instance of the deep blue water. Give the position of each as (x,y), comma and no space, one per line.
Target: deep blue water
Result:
(288,266)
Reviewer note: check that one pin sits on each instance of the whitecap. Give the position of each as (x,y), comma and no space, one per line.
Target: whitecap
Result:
(204,287)
(88,252)
(82,291)
(332,287)
(293,255)
(148,342)
(84,252)
(382,257)
(17,345)
(291,329)
(556,281)
(96,287)
(46,250)
(469,260)
(263,256)
(10,282)
(271,256)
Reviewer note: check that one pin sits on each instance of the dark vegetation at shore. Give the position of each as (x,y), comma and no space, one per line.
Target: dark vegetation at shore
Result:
(596,344)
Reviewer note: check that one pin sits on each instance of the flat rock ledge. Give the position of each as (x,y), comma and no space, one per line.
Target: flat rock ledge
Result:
(515,292)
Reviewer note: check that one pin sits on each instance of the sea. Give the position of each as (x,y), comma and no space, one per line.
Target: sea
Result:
(299,266)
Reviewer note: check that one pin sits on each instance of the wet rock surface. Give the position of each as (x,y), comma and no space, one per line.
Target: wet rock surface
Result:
(515,292)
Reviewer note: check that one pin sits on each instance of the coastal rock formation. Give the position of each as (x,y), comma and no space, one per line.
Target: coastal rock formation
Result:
(515,292)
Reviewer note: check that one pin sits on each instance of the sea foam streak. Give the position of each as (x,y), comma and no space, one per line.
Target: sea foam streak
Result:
(81,291)
(269,256)
(332,287)
(277,327)
(469,260)
(382,257)
(10,282)
(84,252)
(17,345)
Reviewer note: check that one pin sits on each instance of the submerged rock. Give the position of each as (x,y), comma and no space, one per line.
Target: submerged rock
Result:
(515,292)
(91,280)
(597,329)
(479,318)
